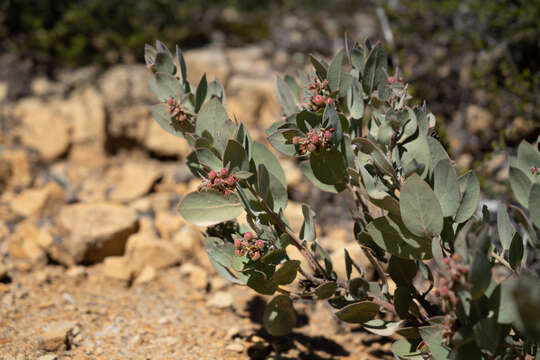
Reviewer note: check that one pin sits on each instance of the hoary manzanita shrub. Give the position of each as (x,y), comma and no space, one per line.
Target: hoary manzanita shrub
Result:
(350,128)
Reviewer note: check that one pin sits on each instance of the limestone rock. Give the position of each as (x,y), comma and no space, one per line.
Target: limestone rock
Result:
(21,173)
(161,142)
(117,267)
(132,180)
(167,223)
(43,201)
(131,122)
(24,244)
(147,274)
(6,172)
(253,100)
(211,61)
(124,84)
(97,230)
(86,111)
(197,276)
(55,336)
(43,129)
(144,249)
(221,300)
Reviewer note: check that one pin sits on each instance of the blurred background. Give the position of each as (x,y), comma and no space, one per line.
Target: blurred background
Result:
(79,150)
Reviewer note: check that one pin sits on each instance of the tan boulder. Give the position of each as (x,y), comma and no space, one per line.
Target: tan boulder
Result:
(145,249)
(24,244)
(161,142)
(20,168)
(167,223)
(196,275)
(38,202)
(249,60)
(478,120)
(251,97)
(97,230)
(210,60)
(43,128)
(132,180)
(55,335)
(117,267)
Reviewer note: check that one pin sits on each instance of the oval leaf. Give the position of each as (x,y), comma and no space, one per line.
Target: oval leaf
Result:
(358,313)
(420,209)
(279,317)
(470,193)
(446,187)
(286,273)
(209,208)
(534,204)
(328,166)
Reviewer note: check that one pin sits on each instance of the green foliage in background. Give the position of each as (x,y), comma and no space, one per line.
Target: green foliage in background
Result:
(472,45)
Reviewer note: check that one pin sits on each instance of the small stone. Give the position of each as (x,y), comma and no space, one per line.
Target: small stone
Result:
(48,357)
(23,244)
(235,330)
(145,249)
(38,119)
(167,224)
(97,230)
(147,274)
(221,300)
(76,271)
(235,346)
(117,267)
(197,276)
(132,180)
(55,335)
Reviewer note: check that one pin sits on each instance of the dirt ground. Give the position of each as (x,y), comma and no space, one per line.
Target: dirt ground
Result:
(103,318)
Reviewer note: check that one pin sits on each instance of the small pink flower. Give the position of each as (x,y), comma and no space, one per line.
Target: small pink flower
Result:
(312,147)
(329,101)
(296,140)
(259,243)
(223,172)
(256,256)
(318,99)
(237,242)
(248,236)
(212,175)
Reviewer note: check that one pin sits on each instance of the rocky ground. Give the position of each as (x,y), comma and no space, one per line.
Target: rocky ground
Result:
(95,262)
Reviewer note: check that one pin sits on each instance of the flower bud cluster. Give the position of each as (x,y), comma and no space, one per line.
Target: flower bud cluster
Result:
(315,140)
(249,246)
(221,181)
(395,79)
(320,95)
(177,112)
(454,276)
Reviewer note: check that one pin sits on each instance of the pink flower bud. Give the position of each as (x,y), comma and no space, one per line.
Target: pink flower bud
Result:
(230,180)
(209,185)
(444,291)
(443,282)
(238,252)
(212,175)
(312,147)
(318,99)
(446,261)
(223,172)
(259,243)
(256,256)
(456,258)
(170,101)
(296,140)
(248,236)
(327,135)
(315,139)
(391,79)
(329,101)
(217,181)
(237,242)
